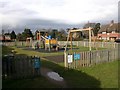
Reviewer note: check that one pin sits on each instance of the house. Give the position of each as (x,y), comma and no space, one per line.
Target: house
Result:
(2,37)
(5,38)
(109,31)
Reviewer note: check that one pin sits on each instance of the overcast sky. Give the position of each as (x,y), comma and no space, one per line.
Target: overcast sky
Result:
(56,13)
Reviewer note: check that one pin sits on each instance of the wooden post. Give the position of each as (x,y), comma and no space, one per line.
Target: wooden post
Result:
(89,38)
(67,41)
(49,45)
(71,40)
(65,60)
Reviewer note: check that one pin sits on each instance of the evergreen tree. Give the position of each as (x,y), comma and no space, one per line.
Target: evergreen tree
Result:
(13,35)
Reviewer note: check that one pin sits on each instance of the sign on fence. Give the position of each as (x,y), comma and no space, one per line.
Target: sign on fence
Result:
(70,58)
(76,56)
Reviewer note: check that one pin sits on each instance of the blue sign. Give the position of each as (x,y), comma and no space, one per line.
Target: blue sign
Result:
(36,62)
(76,56)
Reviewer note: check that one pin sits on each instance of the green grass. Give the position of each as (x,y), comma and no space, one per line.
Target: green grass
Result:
(100,76)
(42,54)
(6,50)
(107,73)
(80,49)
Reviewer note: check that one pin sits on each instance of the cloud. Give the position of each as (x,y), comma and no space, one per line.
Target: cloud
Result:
(36,24)
(70,12)
(119,12)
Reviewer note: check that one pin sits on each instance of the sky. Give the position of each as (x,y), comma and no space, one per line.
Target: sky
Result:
(35,14)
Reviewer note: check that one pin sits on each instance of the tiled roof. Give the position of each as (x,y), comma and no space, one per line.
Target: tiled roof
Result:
(109,28)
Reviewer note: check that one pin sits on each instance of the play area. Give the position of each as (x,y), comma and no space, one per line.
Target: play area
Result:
(47,62)
(45,42)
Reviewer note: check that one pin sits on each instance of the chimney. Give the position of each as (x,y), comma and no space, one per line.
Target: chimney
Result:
(112,22)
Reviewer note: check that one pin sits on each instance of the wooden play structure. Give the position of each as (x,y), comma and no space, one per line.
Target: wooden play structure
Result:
(91,36)
(47,41)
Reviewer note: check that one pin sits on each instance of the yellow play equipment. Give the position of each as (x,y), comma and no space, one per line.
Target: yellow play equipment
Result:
(48,42)
(51,44)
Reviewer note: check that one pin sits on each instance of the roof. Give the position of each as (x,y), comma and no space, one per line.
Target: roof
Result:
(110,27)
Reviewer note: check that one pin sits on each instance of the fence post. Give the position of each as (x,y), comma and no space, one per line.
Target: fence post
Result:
(90,58)
(65,59)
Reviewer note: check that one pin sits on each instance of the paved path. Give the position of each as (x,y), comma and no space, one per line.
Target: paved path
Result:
(57,59)
(44,72)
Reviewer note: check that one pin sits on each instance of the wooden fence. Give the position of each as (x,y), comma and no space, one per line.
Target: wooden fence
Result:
(17,43)
(77,43)
(19,67)
(89,58)
(96,44)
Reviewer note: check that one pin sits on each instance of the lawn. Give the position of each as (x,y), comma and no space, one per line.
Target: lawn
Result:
(99,76)
(32,52)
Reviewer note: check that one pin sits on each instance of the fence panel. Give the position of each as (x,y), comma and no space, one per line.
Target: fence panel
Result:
(19,67)
(89,58)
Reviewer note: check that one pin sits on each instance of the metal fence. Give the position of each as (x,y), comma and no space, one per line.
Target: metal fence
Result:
(19,67)
(89,58)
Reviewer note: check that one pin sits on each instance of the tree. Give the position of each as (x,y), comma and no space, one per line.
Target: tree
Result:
(27,33)
(19,37)
(53,33)
(7,34)
(13,35)
(62,35)
(96,29)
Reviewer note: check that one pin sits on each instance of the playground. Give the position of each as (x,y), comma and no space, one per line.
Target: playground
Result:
(45,63)
(48,43)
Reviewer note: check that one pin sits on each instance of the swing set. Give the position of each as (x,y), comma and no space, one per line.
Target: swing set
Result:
(70,33)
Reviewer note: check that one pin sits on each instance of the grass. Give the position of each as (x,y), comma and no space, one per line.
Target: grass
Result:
(107,73)
(42,54)
(100,76)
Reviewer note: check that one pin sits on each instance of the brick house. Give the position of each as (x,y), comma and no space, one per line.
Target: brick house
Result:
(109,31)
